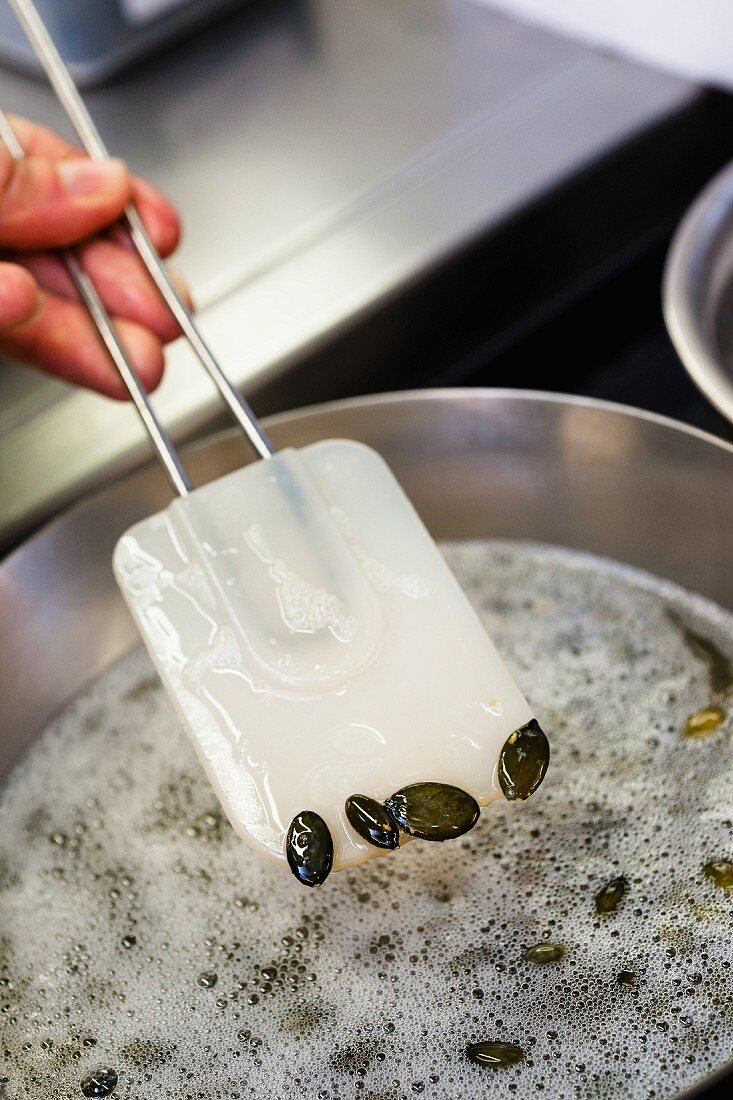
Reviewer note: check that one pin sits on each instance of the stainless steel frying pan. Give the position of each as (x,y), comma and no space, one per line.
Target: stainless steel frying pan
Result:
(588,475)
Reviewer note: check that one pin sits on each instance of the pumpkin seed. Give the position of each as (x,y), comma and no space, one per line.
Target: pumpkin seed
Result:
(720,871)
(495,1054)
(545,953)
(372,821)
(433,811)
(102,1082)
(309,848)
(610,897)
(523,761)
(704,721)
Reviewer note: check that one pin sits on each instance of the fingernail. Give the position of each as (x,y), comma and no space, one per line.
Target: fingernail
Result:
(85,177)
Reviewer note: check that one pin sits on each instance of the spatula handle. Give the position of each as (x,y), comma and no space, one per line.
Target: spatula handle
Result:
(68,94)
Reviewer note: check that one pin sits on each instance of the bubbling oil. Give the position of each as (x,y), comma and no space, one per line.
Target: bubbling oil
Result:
(137,934)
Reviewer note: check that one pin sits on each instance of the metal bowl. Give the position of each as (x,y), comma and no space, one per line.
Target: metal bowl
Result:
(697,291)
(583,474)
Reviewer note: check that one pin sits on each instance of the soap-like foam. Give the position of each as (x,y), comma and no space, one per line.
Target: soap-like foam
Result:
(136,930)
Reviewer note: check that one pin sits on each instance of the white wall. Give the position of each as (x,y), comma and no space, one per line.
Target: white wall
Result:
(693,38)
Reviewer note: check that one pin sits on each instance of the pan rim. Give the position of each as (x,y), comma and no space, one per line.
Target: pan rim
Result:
(483,395)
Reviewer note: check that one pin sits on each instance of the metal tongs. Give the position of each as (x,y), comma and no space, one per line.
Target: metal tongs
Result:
(68,95)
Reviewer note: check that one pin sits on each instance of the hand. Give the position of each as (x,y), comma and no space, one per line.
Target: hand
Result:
(57,197)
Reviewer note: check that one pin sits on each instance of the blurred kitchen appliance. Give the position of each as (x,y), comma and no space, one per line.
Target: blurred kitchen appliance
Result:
(98,38)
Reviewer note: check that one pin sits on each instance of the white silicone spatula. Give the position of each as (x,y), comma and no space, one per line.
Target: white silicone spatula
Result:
(337,686)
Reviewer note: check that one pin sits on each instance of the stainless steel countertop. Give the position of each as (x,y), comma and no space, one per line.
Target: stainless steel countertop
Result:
(325,154)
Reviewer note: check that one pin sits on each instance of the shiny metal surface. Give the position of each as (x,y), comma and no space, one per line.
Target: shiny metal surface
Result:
(328,154)
(698,291)
(584,474)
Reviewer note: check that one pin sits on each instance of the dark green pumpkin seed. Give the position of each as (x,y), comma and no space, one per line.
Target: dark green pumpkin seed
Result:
(523,761)
(720,871)
(309,848)
(610,897)
(495,1054)
(545,953)
(433,811)
(372,821)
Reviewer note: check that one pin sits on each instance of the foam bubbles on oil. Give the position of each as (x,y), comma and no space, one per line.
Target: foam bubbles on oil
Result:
(137,932)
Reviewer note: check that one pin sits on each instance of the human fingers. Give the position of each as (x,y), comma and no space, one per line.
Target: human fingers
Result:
(157,212)
(49,204)
(19,295)
(120,279)
(62,340)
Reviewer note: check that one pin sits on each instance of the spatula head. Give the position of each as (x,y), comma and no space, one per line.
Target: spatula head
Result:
(316,645)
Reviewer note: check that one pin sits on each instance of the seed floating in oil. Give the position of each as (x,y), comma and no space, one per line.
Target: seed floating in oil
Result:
(610,897)
(433,811)
(626,978)
(704,721)
(372,821)
(720,668)
(309,848)
(720,871)
(102,1082)
(542,953)
(523,761)
(495,1054)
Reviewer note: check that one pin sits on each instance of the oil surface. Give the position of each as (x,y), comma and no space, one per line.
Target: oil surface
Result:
(137,932)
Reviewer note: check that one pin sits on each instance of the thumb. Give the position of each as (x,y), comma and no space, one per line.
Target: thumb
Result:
(48,204)
(20,298)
